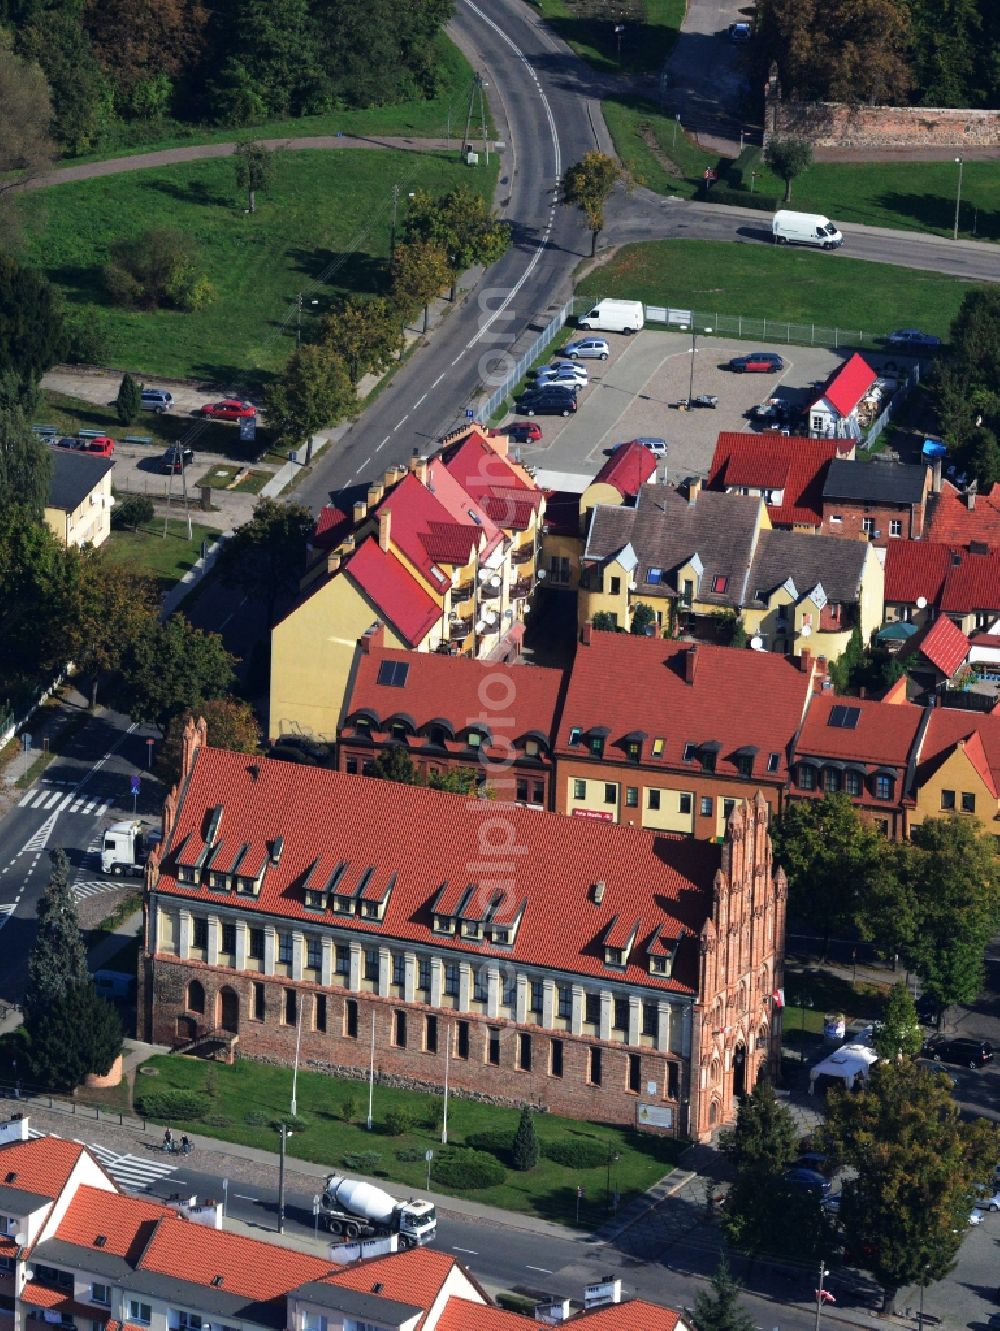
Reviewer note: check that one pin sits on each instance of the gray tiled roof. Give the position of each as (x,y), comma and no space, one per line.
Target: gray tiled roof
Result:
(874,482)
(665,530)
(74,475)
(835,563)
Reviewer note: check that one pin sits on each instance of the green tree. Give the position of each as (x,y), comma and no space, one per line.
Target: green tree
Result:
(763,1139)
(25,467)
(526,1149)
(175,668)
(131,511)
(588,185)
(643,620)
(844,671)
(366,333)
(605,620)
(395,764)
(906,1211)
(788,158)
(32,334)
(26,150)
(898,1035)
(79,1033)
(128,403)
(314,392)
(158,267)
(254,167)
(58,959)
(966,386)
(457,781)
(108,611)
(82,94)
(419,273)
(267,555)
(232,724)
(954,876)
(721,1310)
(460,223)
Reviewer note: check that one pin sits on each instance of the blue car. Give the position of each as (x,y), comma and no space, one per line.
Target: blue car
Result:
(808,1180)
(912,337)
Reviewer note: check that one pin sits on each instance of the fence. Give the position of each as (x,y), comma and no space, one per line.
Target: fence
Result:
(892,406)
(760,330)
(525,361)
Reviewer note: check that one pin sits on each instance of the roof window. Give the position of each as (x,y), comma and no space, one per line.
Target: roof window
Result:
(719,584)
(393,673)
(844,718)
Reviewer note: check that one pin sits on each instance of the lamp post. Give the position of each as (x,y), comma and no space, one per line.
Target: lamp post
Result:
(294,1107)
(298,320)
(694,352)
(958,196)
(285,1133)
(823,1273)
(613,1158)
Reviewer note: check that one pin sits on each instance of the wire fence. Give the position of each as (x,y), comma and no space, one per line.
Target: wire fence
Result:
(762,330)
(526,360)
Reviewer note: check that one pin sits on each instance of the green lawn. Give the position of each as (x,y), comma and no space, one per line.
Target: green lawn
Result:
(164,557)
(655,148)
(429,119)
(323,229)
(221,477)
(715,277)
(644,46)
(243,1101)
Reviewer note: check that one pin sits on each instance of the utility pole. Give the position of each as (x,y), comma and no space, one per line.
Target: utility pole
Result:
(295,1070)
(283,1129)
(958,196)
(371,1074)
(823,1273)
(447,1061)
(392,234)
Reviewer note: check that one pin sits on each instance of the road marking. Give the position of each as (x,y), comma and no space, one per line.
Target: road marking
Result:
(544,1270)
(437,380)
(245,1196)
(383,443)
(471,1251)
(418,401)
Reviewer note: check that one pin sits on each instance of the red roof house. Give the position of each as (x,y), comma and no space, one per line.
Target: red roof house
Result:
(959,517)
(834,413)
(788,472)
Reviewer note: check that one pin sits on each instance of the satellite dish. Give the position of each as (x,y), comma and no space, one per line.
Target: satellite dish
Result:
(757,643)
(806,630)
(921,602)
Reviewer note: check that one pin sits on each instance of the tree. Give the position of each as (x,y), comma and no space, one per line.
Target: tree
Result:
(844,670)
(58,959)
(788,158)
(82,94)
(173,669)
(605,620)
(643,620)
(254,166)
(266,556)
(131,511)
(32,334)
(965,386)
(721,1310)
(156,42)
(456,781)
(128,403)
(26,149)
(232,724)
(107,612)
(366,333)
(763,1139)
(395,764)
(526,1150)
(158,267)
(906,1211)
(898,1034)
(588,185)
(419,273)
(25,466)
(315,391)
(79,1033)
(953,873)
(461,224)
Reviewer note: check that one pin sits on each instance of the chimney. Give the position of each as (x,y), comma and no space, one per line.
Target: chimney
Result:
(194,736)
(373,637)
(586,634)
(332,563)
(805,661)
(936,476)
(375,493)
(348,545)
(599,887)
(360,512)
(970,495)
(418,467)
(690,663)
(694,489)
(384,528)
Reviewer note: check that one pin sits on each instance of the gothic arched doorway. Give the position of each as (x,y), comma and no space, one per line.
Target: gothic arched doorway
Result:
(739,1071)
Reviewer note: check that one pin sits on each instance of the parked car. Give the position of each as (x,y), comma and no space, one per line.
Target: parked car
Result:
(229,409)
(912,337)
(964,1051)
(928,1010)
(756,362)
(70,441)
(707,400)
(991,1203)
(816,1161)
(525,432)
(566,369)
(808,1180)
(740,32)
(658,447)
(156,399)
(176,458)
(551,399)
(102,445)
(587,348)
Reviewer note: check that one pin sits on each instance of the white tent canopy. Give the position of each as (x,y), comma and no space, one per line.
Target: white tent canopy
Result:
(847,1063)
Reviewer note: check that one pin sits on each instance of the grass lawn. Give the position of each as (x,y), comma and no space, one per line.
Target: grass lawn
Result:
(714,277)
(242,1103)
(654,148)
(644,46)
(221,477)
(429,119)
(164,557)
(323,230)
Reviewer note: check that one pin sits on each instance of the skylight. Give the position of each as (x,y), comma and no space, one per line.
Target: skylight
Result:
(436,573)
(844,718)
(393,673)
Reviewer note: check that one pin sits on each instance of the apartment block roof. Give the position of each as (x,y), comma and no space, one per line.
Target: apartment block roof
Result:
(627,469)
(74,476)
(109,1223)
(501,487)
(795,465)
(951,519)
(630,1315)
(39,1168)
(847,386)
(426,533)
(650,695)
(881,734)
(952,727)
(330,528)
(828,561)
(412,846)
(874,482)
(666,529)
(393,590)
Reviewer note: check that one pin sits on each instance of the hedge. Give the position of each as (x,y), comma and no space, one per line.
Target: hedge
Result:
(171,1104)
(468,1169)
(577,1152)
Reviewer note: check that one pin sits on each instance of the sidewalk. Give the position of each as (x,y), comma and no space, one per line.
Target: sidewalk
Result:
(46,727)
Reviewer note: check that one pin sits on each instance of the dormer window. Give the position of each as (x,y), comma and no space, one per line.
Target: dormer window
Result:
(475,739)
(444,924)
(596,745)
(633,750)
(363,726)
(398,731)
(437,737)
(531,748)
(744,764)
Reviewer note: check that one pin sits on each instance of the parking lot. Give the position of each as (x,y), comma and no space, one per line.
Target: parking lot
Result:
(635,392)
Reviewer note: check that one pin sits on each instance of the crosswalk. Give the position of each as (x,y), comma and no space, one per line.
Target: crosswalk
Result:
(58,801)
(92,887)
(131,1171)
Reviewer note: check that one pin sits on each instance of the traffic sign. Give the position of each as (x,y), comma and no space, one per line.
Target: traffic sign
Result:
(470,415)
(135,785)
(248,427)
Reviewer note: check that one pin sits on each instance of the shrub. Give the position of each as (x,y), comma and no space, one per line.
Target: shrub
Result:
(525,1151)
(157,267)
(494,1141)
(128,402)
(469,1169)
(170,1104)
(361,1162)
(410,1155)
(291,1121)
(217,1120)
(256,1119)
(131,511)
(398,1121)
(577,1152)
(349,1108)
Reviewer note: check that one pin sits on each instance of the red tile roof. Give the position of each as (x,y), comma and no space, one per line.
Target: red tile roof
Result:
(972,583)
(469,513)
(630,684)
(124,1222)
(949,727)
(492,481)
(627,469)
(796,465)
(415,1277)
(562,512)
(884,733)
(330,528)
(631,1315)
(58,1300)
(429,839)
(848,385)
(464,1315)
(914,569)
(424,531)
(393,591)
(42,1165)
(951,519)
(460,691)
(943,644)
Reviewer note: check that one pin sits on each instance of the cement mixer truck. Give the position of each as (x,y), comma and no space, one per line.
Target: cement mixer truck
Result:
(361,1210)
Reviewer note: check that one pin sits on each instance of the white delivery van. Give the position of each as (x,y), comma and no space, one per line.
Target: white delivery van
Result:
(614,316)
(790,228)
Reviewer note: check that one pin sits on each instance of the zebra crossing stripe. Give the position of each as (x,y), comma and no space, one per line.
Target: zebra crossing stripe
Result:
(7,909)
(53,799)
(26,799)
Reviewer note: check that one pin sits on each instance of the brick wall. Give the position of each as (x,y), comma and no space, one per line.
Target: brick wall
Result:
(852,516)
(837,125)
(273,1040)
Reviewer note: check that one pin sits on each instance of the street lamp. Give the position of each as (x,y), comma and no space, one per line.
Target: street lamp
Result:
(694,352)
(285,1131)
(298,321)
(822,1295)
(613,1158)
(958,196)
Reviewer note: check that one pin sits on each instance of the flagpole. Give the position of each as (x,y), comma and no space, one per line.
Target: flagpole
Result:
(371,1074)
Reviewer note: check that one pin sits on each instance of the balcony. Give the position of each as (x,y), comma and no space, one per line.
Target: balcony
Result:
(525,554)
(462,595)
(490,593)
(459,630)
(521,588)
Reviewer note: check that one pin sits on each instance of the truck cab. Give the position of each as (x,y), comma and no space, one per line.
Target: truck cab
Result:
(418,1222)
(125,848)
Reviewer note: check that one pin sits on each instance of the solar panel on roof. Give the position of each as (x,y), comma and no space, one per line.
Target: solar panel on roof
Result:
(393,673)
(836,717)
(844,718)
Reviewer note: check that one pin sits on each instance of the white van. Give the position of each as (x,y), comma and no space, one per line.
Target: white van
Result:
(790,228)
(614,316)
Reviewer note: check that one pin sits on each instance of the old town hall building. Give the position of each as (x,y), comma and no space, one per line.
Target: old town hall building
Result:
(603,972)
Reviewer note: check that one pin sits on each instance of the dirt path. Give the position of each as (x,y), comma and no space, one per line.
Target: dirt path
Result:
(197,152)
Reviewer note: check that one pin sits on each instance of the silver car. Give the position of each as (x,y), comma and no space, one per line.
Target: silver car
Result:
(587,348)
(557,372)
(156,399)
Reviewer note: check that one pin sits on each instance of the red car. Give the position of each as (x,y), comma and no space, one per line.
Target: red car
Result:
(103,446)
(525,432)
(229,409)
